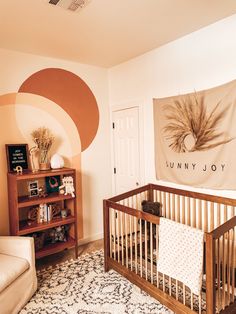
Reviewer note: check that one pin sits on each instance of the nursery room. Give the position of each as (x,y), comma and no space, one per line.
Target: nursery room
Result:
(118,143)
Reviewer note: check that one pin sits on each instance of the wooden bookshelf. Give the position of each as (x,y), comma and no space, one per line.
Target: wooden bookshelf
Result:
(22,203)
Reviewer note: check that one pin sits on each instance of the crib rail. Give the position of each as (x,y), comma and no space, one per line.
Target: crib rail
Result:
(131,245)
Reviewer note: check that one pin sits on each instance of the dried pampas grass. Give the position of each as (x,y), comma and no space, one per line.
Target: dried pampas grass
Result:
(44,139)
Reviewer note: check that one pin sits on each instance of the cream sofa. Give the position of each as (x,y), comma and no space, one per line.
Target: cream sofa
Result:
(18,280)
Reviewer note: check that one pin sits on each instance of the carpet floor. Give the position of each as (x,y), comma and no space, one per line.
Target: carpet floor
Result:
(82,287)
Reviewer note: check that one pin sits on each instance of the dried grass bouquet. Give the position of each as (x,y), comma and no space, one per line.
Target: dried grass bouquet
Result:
(43,138)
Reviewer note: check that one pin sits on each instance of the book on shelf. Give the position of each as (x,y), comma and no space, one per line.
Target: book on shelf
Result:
(44,213)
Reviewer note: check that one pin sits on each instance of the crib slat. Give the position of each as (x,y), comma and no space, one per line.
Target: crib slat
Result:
(122,236)
(168,214)
(151,252)
(178,209)
(173,207)
(233,261)
(228,268)
(194,213)
(146,249)
(177,290)
(114,234)
(136,245)
(118,234)
(160,200)
(111,229)
(183,210)
(184,299)
(218,214)
(212,217)
(141,249)
(200,303)
(191,298)
(188,212)
(218,296)
(205,216)
(157,250)
(200,214)
(131,242)
(126,241)
(223,276)
(163,282)
(225,213)
(170,286)
(164,205)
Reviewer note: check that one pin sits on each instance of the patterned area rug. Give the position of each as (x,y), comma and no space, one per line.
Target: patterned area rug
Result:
(82,287)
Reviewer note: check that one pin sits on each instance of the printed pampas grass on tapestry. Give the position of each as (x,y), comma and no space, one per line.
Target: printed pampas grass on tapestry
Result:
(191,128)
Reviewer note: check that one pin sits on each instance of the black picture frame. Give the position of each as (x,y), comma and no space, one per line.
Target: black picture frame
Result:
(33,193)
(17,155)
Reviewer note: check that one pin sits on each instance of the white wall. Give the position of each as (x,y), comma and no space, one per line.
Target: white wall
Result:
(96,175)
(201,60)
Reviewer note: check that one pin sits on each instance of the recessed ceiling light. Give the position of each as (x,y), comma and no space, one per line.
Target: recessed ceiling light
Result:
(71,5)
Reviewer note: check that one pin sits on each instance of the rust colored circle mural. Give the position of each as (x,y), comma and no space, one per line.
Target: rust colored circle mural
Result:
(71,93)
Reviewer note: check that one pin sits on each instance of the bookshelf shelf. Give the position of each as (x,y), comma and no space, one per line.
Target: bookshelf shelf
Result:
(55,247)
(35,227)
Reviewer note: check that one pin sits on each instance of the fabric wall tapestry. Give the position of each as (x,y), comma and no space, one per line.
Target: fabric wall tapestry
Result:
(195,138)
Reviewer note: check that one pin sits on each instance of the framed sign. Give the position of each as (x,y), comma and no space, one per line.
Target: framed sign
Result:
(17,155)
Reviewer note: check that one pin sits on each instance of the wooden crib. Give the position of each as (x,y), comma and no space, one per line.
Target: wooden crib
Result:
(131,246)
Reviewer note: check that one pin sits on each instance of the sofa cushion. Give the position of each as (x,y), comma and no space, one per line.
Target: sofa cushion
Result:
(11,268)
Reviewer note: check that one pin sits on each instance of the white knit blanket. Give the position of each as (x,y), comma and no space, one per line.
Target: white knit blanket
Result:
(181,253)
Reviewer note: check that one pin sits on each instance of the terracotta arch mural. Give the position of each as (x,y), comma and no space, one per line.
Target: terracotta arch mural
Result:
(71,93)
(66,90)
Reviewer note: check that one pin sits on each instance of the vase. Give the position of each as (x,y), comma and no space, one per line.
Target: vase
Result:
(44,163)
(44,166)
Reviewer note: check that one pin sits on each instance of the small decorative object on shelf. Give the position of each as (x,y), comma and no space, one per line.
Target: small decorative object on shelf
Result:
(56,210)
(62,189)
(18,169)
(64,213)
(57,161)
(32,152)
(59,234)
(32,215)
(52,184)
(42,192)
(68,186)
(43,138)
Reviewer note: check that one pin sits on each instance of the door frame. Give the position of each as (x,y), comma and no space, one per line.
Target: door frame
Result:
(123,106)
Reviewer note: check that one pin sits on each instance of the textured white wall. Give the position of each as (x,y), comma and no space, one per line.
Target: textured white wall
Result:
(201,60)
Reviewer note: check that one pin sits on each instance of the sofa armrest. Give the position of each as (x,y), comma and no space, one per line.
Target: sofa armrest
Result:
(18,246)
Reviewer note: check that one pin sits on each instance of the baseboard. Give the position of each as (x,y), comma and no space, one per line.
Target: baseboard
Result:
(93,237)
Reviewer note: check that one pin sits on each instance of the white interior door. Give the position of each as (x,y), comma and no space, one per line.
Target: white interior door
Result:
(126,149)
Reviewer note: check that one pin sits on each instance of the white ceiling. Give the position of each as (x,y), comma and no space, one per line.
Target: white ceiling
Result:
(105,32)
